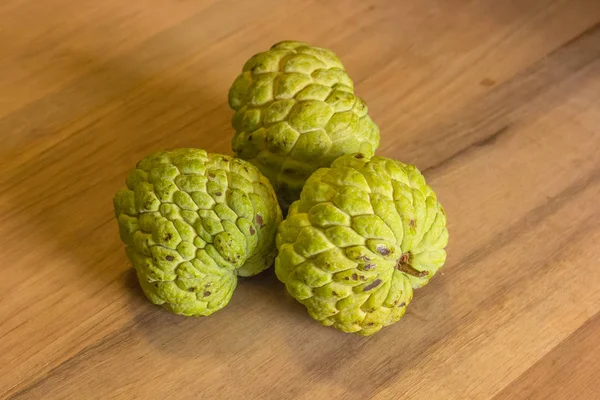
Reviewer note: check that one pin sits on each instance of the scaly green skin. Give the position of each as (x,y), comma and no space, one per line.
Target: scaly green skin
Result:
(295,111)
(192,223)
(363,235)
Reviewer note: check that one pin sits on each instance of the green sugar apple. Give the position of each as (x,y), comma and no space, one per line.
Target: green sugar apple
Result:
(363,235)
(295,111)
(192,223)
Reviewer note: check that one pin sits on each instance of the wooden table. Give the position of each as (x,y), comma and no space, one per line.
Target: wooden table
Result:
(498,102)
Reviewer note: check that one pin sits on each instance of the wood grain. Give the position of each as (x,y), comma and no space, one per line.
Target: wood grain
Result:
(497,102)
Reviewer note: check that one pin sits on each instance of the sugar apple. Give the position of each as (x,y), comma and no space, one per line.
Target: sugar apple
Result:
(295,111)
(363,235)
(192,223)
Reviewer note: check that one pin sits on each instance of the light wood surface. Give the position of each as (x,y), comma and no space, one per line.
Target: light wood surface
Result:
(498,102)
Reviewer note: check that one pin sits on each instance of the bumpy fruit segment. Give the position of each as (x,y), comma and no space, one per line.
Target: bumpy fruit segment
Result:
(192,223)
(364,234)
(295,111)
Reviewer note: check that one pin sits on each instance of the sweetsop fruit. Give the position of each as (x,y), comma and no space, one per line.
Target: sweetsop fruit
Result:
(193,222)
(296,111)
(363,235)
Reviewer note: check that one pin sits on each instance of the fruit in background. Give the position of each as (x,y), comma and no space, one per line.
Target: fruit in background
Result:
(295,111)
(364,234)
(192,223)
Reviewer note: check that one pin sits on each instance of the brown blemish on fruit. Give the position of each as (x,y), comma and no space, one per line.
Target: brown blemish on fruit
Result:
(218,193)
(364,258)
(369,267)
(168,237)
(252,231)
(370,286)
(413,223)
(404,259)
(370,324)
(359,156)
(190,289)
(334,293)
(170,258)
(354,277)
(206,294)
(259,220)
(411,271)
(347,278)
(403,265)
(402,304)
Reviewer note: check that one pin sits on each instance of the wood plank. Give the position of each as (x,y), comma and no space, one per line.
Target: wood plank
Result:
(496,101)
(569,371)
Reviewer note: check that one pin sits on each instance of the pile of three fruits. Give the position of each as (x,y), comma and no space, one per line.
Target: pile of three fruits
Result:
(361,232)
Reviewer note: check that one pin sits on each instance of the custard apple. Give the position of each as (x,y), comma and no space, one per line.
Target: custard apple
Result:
(363,235)
(295,111)
(192,223)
